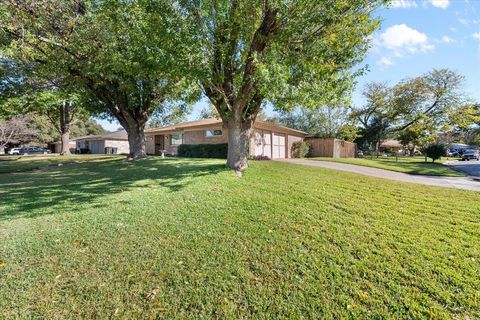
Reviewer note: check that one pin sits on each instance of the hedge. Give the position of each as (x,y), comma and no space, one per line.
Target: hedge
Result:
(203,150)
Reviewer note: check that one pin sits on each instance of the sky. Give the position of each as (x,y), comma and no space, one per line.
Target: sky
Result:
(415,37)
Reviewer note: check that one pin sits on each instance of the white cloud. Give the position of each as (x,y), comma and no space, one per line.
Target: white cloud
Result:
(385,62)
(447,39)
(453,29)
(404,4)
(401,40)
(476,35)
(442,4)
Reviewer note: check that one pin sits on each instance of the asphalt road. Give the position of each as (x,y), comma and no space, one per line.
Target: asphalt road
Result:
(471,168)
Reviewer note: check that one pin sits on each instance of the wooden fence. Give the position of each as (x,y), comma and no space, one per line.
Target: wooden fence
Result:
(332,148)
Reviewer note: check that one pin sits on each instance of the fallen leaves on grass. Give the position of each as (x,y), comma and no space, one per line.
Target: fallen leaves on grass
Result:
(151,295)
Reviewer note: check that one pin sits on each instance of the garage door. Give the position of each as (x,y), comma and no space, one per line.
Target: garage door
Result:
(263,143)
(278,146)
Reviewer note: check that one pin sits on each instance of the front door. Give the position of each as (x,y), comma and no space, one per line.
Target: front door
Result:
(159,144)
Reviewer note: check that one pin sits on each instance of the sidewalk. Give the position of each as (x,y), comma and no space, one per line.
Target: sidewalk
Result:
(465,183)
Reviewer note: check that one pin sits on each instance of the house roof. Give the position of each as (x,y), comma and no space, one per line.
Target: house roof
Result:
(60,142)
(199,124)
(391,143)
(117,135)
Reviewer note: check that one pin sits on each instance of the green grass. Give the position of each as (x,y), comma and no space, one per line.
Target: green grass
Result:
(9,164)
(177,238)
(415,165)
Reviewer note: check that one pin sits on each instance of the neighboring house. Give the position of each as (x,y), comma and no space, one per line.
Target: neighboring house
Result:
(268,139)
(56,147)
(108,143)
(392,145)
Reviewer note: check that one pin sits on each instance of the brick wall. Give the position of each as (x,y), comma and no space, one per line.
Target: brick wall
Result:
(198,137)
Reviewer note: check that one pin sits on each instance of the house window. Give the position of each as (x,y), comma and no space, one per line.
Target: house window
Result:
(176,139)
(213,133)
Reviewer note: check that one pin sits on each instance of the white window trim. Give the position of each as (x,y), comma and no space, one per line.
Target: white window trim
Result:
(171,138)
(213,135)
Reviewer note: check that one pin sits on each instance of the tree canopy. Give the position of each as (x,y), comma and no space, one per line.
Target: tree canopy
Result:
(127,54)
(286,52)
(323,121)
(414,109)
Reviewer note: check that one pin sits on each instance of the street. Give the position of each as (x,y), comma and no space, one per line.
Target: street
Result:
(471,168)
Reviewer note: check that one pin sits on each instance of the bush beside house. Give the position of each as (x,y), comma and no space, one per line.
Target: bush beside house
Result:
(203,150)
(300,149)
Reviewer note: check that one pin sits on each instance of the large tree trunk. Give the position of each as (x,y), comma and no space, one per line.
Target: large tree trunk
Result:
(65,142)
(66,114)
(136,139)
(239,133)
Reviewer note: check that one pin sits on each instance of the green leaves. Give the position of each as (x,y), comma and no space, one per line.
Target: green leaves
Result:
(289,53)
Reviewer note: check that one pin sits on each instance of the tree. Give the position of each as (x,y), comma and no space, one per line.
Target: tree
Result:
(324,122)
(129,55)
(15,131)
(61,109)
(435,151)
(420,134)
(424,101)
(28,93)
(168,114)
(85,127)
(208,112)
(284,52)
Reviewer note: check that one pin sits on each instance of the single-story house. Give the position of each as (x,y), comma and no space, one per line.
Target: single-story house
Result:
(108,143)
(392,145)
(268,139)
(56,147)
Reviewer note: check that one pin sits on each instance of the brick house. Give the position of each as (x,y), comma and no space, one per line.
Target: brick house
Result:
(112,143)
(268,139)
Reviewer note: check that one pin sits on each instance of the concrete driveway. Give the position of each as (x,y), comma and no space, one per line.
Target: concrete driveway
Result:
(465,183)
(471,168)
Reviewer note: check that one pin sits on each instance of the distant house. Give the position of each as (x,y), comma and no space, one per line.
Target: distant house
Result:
(56,147)
(392,145)
(268,139)
(108,143)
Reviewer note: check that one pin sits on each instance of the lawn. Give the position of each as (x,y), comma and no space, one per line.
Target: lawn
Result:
(415,165)
(176,238)
(34,162)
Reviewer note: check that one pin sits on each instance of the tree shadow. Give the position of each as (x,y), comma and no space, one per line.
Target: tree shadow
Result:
(72,186)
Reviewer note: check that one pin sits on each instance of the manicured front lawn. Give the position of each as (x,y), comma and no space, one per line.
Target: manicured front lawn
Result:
(187,239)
(416,165)
(42,162)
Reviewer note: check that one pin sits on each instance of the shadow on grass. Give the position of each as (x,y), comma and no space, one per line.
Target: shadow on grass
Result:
(29,195)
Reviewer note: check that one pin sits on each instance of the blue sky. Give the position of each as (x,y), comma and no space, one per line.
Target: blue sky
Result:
(415,37)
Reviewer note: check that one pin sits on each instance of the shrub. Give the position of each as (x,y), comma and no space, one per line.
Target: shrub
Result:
(203,150)
(300,149)
(435,151)
(387,150)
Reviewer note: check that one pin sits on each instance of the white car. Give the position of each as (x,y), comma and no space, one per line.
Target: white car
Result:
(14,151)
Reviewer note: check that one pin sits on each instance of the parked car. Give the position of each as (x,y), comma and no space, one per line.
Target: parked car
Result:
(452,153)
(14,151)
(34,150)
(470,154)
